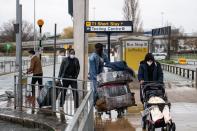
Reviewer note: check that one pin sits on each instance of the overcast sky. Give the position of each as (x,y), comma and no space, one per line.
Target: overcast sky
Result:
(177,12)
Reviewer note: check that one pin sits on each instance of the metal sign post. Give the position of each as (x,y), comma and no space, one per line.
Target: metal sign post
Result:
(109,45)
(54,85)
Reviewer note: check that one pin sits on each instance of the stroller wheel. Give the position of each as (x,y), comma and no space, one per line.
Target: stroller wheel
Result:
(173,126)
(151,127)
(144,123)
(168,127)
(120,113)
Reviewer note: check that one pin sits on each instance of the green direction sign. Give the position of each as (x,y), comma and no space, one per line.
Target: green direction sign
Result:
(108,26)
(7,46)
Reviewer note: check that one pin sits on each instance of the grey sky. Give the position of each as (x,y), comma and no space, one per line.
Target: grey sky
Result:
(177,12)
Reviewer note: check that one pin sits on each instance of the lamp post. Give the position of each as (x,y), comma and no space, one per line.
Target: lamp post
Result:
(34,24)
(40,23)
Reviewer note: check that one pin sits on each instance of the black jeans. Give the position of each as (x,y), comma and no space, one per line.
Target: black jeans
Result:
(73,85)
(34,80)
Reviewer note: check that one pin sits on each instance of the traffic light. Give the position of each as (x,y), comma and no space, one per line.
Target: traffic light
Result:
(70,7)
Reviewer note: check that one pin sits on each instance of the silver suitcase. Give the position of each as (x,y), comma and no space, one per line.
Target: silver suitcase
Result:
(114,77)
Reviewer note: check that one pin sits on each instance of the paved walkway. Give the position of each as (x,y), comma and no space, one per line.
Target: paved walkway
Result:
(8,126)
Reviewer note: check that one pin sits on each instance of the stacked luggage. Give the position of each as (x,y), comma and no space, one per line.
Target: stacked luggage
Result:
(113,90)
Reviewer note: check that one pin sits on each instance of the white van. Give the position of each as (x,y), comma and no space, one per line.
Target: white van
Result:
(159,56)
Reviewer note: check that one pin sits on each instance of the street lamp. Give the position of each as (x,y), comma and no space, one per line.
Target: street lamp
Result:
(40,23)
(34,24)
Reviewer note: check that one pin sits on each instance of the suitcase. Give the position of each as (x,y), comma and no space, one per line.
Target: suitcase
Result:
(114,77)
(46,94)
(114,96)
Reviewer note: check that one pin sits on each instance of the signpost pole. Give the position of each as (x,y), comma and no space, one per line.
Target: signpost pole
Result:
(169,42)
(40,23)
(108,45)
(54,89)
(40,42)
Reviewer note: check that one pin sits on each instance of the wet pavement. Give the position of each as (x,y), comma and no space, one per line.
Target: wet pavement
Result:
(8,126)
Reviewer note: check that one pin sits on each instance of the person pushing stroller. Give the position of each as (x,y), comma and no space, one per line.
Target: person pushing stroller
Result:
(156,112)
(149,71)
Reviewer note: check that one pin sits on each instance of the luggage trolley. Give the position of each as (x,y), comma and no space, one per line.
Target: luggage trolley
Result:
(114,93)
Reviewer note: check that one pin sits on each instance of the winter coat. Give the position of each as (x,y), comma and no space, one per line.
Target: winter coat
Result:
(64,66)
(143,72)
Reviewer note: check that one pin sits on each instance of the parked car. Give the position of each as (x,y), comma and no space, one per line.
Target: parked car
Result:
(160,56)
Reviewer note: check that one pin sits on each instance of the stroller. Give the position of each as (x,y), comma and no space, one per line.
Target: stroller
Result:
(156,112)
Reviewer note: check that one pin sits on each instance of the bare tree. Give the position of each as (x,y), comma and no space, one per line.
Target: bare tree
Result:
(7,32)
(67,33)
(131,12)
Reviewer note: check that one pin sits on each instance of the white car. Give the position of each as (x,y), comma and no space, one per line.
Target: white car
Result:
(159,56)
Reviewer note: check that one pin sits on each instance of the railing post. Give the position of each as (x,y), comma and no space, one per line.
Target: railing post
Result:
(14,92)
(180,71)
(188,73)
(4,66)
(196,78)
(183,72)
(10,67)
(177,70)
(193,75)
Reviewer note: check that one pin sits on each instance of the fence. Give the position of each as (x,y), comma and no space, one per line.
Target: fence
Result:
(10,66)
(190,74)
(82,117)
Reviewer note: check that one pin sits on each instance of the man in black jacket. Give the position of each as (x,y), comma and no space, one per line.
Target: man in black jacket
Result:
(69,69)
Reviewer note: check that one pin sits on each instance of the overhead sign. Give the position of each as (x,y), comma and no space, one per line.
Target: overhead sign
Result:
(108,26)
(161,31)
(135,52)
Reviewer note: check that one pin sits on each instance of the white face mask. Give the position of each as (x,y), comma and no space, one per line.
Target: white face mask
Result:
(72,56)
(149,63)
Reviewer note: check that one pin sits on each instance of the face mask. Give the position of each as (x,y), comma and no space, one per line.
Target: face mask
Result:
(72,56)
(149,63)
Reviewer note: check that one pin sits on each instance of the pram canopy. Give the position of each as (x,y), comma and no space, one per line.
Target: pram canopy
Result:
(152,89)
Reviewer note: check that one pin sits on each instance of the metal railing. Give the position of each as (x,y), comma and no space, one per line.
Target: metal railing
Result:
(189,74)
(81,118)
(183,72)
(7,67)
(84,118)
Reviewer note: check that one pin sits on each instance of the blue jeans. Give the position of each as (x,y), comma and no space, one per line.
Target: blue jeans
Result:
(95,91)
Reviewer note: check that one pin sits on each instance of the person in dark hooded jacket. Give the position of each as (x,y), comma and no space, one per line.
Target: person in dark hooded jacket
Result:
(150,70)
